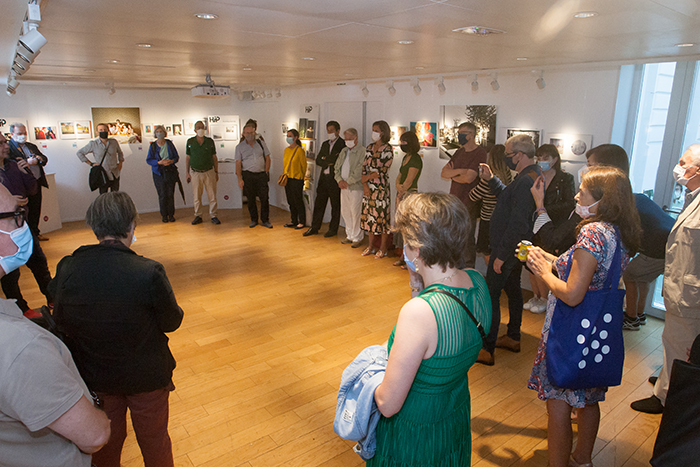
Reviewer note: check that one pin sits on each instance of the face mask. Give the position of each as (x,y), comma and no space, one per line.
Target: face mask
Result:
(200,132)
(376,136)
(584,211)
(21,139)
(290,140)
(249,138)
(104,134)
(404,147)
(679,175)
(510,162)
(22,237)
(160,135)
(544,165)
(332,137)
(409,263)
(350,143)
(462,138)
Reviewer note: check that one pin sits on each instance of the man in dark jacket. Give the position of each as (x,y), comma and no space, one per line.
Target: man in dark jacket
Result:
(327,185)
(511,222)
(21,149)
(115,308)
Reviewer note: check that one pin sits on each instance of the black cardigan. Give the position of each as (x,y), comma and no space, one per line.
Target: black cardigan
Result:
(115,308)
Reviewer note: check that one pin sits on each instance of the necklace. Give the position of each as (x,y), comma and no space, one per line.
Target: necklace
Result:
(446,278)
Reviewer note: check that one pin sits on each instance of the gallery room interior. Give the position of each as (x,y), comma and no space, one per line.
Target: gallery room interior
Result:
(271,318)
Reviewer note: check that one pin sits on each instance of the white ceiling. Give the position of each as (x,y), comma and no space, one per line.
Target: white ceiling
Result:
(350,40)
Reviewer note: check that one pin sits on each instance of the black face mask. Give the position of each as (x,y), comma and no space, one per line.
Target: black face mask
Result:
(404,148)
(104,134)
(510,162)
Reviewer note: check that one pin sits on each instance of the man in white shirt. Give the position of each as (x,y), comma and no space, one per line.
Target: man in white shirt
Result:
(107,152)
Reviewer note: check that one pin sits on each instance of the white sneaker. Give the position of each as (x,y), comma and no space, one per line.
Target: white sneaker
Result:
(528,305)
(540,306)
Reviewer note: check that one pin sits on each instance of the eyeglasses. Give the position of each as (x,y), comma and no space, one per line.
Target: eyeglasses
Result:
(510,154)
(20,214)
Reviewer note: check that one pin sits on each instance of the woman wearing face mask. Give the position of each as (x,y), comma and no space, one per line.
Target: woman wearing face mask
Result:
(424,397)
(606,205)
(558,202)
(162,157)
(407,180)
(376,202)
(294,164)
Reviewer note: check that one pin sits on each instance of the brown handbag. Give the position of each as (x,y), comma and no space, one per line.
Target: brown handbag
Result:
(282,181)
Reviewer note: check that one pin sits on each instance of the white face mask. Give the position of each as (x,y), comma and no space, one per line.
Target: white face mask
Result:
(200,132)
(332,136)
(679,175)
(350,143)
(584,211)
(21,139)
(376,136)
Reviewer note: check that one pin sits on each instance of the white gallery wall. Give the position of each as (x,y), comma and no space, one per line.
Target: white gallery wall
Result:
(576,101)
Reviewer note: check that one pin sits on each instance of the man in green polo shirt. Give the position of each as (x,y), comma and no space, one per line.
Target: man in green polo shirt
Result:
(204,167)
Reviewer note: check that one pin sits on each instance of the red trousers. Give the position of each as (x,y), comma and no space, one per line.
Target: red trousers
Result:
(149,416)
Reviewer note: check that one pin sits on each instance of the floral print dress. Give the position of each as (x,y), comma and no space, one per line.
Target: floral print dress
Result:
(376,216)
(600,240)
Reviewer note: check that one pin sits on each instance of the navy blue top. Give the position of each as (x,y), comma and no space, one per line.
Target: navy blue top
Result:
(154,156)
(656,225)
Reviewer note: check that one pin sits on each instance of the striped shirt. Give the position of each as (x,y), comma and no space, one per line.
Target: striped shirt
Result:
(483,192)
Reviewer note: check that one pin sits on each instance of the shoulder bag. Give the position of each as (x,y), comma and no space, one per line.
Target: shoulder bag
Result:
(585,348)
(282,181)
(98,175)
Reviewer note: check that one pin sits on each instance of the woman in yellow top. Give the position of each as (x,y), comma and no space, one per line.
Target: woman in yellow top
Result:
(294,164)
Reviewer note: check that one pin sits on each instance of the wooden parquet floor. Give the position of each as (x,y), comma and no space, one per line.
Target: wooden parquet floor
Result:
(272,319)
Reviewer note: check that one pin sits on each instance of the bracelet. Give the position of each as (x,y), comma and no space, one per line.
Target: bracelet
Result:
(539,210)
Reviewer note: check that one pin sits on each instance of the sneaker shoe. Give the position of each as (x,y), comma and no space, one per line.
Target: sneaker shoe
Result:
(215,220)
(267,224)
(171,218)
(528,305)
(197,220)
(346,241)
(540,306)
(651,405)
(630,324)
(253,224)
(642,318)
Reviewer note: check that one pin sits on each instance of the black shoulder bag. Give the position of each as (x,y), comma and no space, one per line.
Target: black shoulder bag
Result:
(479,327)
(98,175)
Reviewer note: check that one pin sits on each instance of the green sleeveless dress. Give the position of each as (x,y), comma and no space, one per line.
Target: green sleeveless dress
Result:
(433,426)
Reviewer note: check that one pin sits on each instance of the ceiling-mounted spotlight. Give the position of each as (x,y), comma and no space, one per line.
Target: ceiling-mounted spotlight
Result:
(19,69)
(278,93)
(33,40)
(12,84)
(415,82)
(494,84)
(540,81)
(391,88)
(475,83)
(269,94)
(440,82)
(365,91)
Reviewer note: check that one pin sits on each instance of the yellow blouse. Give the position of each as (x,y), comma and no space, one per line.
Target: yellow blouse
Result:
(297,169)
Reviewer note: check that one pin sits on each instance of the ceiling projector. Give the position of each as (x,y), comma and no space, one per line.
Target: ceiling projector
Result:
(211,90)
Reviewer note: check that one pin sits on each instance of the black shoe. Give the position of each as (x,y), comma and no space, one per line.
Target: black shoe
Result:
(171,218)
(651,405)
(299,227)
(310,232)
(290,225)
(197,220)
(215,220)
(330,234)
(653,379)
(267,224)
(165,220)
(253,224)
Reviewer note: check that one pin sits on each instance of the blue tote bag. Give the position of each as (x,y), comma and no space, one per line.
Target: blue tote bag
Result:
(585,348)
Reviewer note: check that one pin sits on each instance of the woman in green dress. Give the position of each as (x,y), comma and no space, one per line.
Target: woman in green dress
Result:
(424,398)
(407,180)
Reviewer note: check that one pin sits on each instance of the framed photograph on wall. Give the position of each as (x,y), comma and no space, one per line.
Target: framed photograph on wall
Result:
(188,125)
(534,134)
(396,132)
(83,129)
(426,132)
(148,130)
(177,129)
(45,132)
(124,122)
(451,116)
(572,147)
(66,130)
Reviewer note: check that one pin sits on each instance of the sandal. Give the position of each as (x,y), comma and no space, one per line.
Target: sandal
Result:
(400,263)
(380,254)
(368,251)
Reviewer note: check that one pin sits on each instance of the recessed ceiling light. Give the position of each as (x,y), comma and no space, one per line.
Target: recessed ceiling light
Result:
(520,59)
(112,61)
(405,42)
(144,46)
(206,16)
(420,68)
(478,30)
(585,14)
(685,44)
(247,69)
(311,59)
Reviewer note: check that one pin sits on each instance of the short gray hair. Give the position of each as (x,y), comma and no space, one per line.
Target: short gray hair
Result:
(352,131)
(17,125)
(522,143)
(112,215)
(695,151)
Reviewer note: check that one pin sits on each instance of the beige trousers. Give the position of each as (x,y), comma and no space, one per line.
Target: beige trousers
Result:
(204,181)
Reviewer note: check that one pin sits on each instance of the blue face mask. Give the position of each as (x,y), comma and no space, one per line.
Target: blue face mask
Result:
(22,237)
(544,165)
(462,138)
(290,140)
(411,265)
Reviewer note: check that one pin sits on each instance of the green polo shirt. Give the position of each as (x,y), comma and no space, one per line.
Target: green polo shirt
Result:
(201,155)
